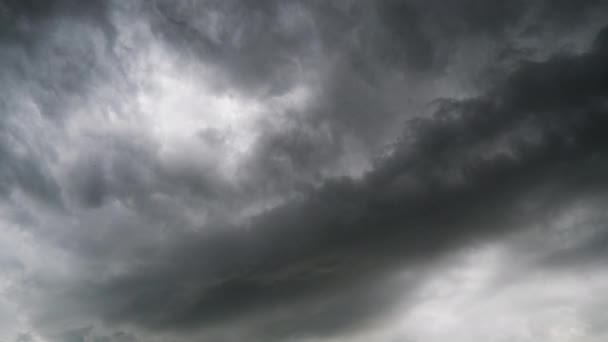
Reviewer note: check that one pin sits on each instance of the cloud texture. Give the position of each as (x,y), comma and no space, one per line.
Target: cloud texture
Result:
(303,170)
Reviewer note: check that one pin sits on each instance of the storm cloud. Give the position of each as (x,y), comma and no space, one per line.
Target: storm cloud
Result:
(303,170)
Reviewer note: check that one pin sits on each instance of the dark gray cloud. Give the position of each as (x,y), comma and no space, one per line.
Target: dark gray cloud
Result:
(478,168)
(292,170)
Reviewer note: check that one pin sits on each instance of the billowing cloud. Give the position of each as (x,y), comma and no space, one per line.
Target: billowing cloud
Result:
(303,171)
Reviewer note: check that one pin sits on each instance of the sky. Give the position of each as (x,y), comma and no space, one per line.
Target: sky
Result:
(303,170)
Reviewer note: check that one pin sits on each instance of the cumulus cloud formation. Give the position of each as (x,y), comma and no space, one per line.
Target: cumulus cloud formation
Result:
(394,170)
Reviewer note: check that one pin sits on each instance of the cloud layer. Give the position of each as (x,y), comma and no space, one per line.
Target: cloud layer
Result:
(303,170)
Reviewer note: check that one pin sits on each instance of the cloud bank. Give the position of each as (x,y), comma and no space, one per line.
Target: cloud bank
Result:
(303,170)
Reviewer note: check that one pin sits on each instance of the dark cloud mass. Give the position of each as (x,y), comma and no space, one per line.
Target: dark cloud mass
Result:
(303,170)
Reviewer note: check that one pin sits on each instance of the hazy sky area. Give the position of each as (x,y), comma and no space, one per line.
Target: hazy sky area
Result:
(303,171)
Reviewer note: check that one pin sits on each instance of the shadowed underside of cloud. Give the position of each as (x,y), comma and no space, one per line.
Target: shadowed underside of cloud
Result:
(275,171)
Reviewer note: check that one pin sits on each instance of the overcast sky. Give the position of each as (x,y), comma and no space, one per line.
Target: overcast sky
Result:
(303,171)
